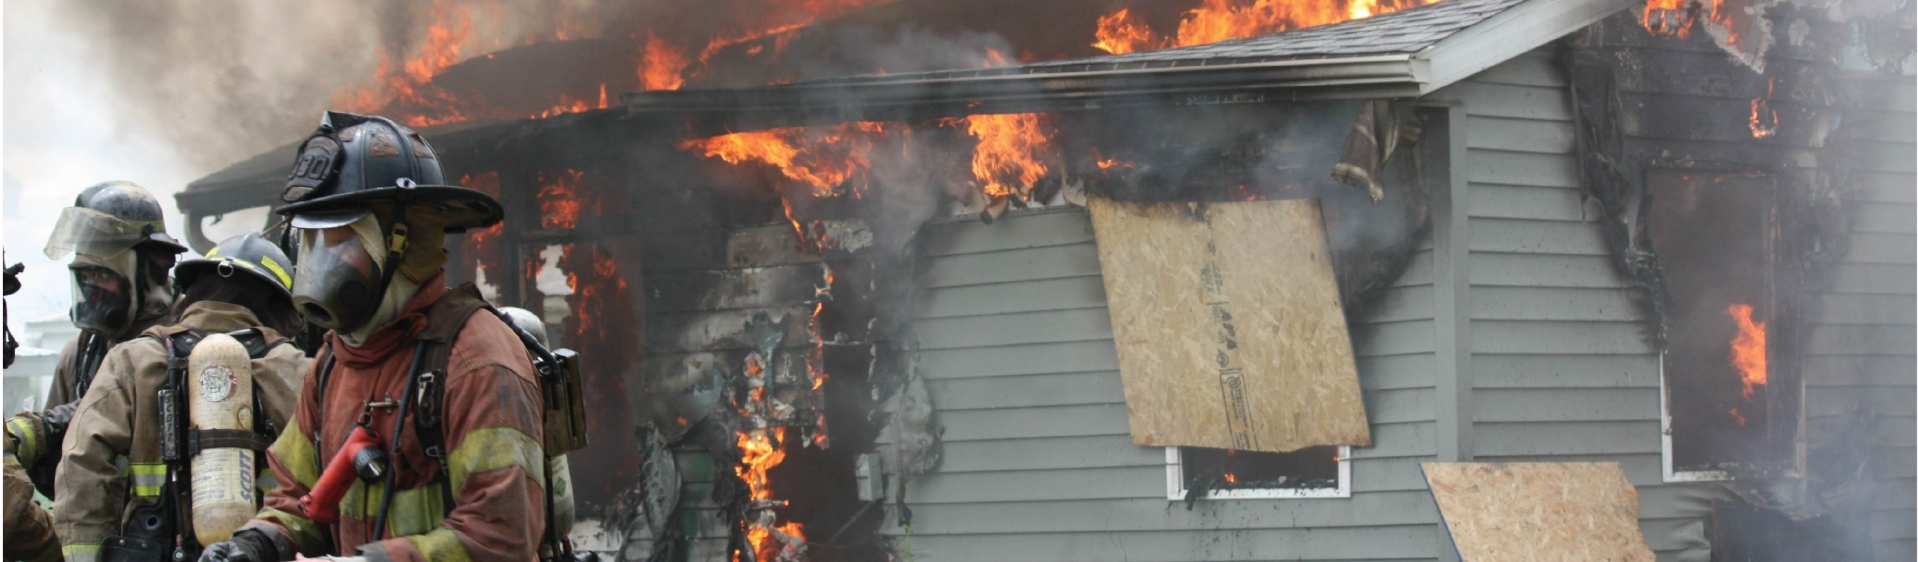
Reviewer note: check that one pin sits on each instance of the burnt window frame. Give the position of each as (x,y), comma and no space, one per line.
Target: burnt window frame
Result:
(1175,483)
(1640,228)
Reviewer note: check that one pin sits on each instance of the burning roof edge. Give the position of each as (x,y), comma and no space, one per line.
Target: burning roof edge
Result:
(1482,34)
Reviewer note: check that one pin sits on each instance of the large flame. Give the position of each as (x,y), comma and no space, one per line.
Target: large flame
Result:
(1008,159)
(823,158)
(661,64)
(559,200)
(760,450)
(1748,348)
(1218,20)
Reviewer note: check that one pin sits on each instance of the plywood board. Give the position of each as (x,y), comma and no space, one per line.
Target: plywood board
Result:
(1538,512)
(1228,325)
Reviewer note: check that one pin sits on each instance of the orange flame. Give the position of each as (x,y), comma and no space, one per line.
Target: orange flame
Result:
(1740,418)
(1007,160)
(661,64)
(559,200)
(1232,478)
(1671,19)
(1764,120)
(824,158)
(761,450)
(1218,20)
(1748,348)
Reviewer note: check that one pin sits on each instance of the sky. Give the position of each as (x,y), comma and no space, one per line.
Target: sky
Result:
(58,140)
(82,105)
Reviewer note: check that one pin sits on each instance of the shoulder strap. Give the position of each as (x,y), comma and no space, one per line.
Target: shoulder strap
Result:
(444,320)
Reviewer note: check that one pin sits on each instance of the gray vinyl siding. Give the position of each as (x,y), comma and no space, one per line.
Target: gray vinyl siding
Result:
(1016,348)
(1861,352)
(1559,370)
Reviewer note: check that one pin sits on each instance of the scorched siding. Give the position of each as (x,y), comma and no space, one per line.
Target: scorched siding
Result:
(1559,370)
(1015,345)
(1861,352)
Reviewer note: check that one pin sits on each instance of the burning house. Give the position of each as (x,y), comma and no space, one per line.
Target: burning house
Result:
(895,282)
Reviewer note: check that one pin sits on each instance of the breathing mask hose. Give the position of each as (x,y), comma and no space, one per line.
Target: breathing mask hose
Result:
(399,423)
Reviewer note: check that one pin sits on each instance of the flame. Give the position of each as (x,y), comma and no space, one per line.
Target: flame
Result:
(1007,160)
(1218,20)
(1120,33)
(1111,163)
(760,450)
(1764,120)
(1740,418)
(1671,19)
(824,158)
(1748,348)
(1232,478)
(661,65)
(559,200)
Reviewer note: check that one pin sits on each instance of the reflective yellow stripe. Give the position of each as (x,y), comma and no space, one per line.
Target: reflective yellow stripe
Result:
(147,477)
(439,546)
(29,447)
(297,454)
(307,535)
(80,552)
(266,482)
(493,448)
(213,252)
(286,280)
(414,511)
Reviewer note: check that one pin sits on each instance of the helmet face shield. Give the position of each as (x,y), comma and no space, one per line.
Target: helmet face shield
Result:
(102,299)
(335,282)
(86,231)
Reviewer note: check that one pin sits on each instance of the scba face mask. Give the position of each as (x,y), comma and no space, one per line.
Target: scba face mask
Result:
(102,298)
(337,283)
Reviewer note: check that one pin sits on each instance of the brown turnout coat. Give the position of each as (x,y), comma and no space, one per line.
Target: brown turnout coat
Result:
(118,422)
(491,428)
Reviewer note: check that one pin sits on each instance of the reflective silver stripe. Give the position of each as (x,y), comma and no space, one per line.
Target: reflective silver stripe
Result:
(145,479)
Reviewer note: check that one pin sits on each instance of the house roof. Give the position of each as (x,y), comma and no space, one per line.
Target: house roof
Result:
(1402,54)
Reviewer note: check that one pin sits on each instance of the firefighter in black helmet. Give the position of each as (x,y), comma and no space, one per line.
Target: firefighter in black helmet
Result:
(467,483)
(121,259)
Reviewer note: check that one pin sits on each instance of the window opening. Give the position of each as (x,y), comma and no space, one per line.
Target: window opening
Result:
(1313,472)
(1714,234)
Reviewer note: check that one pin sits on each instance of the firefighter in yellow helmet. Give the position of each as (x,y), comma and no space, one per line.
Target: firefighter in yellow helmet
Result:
(138,409)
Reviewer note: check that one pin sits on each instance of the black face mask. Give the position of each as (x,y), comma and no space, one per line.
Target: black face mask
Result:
(336,281)
(102,299)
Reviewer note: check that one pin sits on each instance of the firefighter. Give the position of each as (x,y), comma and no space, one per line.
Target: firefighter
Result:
(122,256)
(29,529)
(371,208)
(243,287)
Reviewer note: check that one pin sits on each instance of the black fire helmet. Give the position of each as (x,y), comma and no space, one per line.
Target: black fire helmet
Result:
(355,160)
(247,254)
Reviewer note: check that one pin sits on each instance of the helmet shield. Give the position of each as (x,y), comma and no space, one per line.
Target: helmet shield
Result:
(86,231)
(102,298)
(338,274)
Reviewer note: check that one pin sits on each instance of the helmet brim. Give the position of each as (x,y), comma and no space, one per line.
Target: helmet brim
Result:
(465,208)
(187,272)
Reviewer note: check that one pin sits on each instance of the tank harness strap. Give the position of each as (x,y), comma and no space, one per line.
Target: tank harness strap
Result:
(202,439)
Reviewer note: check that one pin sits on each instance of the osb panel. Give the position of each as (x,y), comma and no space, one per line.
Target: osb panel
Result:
(1538,512)
(1228,325)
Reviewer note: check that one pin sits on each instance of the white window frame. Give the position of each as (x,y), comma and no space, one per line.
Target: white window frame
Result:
(1175,483)
(1665,437)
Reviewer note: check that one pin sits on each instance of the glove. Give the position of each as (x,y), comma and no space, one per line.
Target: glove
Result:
(247,545)
(24,438)
(223,551)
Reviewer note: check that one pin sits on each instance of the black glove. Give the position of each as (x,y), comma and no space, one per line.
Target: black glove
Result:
(247,545)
